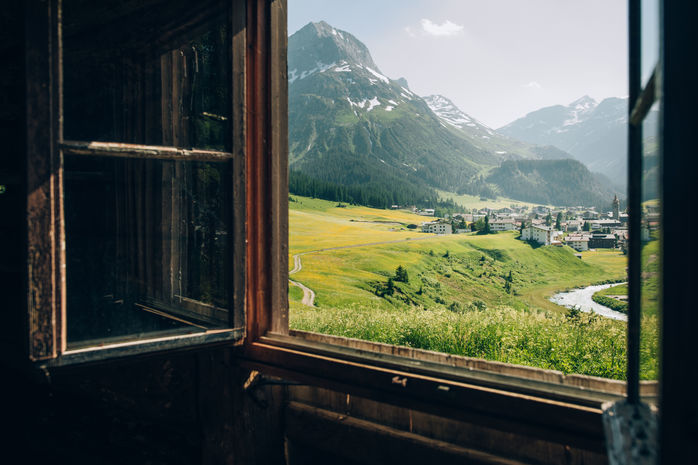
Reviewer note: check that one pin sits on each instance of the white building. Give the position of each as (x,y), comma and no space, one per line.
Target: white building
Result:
(575,225)
(502,225)
(578,242)
(437,228)
(541,234)
(605,223)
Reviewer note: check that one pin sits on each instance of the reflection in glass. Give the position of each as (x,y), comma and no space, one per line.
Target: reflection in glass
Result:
(651,244)
(650,38)
(156,74)
(147,246)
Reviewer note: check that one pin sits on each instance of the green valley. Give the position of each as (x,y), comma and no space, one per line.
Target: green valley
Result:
(482,296)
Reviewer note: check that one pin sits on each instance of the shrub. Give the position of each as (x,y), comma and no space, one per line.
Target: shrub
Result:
(613,304)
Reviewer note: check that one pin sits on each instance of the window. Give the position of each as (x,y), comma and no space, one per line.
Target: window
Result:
(147,178)
(391,372)
(156,172)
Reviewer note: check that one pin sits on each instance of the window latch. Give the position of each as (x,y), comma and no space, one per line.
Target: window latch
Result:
(400,381)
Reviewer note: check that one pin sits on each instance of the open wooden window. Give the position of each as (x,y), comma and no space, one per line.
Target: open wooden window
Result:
(529,401)
(146,174)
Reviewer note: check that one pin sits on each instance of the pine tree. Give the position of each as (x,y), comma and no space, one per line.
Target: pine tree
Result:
(549,220)
(558,221)
(401,274)
(389,287)
(487,229)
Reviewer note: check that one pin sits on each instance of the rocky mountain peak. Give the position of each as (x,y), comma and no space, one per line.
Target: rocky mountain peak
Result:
(317,46)
(583,103)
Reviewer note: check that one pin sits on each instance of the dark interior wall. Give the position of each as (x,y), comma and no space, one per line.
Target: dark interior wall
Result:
(185,408)
(12,176)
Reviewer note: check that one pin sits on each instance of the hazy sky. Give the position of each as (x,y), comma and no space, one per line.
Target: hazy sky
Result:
(496,59)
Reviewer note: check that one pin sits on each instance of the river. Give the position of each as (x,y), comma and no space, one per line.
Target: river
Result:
(582,299)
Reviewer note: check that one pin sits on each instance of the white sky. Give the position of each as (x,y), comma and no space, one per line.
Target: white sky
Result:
(496,59)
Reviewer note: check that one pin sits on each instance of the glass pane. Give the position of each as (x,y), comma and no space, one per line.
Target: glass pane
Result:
(651,246)
(650,38)
(147,247)
(157,73)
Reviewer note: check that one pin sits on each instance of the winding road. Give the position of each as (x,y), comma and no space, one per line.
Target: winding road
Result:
(309,294)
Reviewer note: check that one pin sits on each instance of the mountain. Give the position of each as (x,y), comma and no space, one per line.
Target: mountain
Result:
(553,182)
(483,136)
(349,124)
(594,133)
(356,135)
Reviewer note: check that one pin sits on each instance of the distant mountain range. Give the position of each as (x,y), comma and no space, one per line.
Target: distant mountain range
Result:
(354,132)
(594,133)
(481,135)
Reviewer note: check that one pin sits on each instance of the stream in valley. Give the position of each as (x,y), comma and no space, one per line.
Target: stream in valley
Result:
(582,299)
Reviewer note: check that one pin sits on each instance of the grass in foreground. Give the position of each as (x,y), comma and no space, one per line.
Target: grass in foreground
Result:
(587,344)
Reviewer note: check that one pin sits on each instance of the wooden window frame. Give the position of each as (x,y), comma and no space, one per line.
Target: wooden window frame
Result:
(45,149)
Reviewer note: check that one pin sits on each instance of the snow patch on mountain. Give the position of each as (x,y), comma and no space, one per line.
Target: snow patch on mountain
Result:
(378,75)
(373,103)
(319,67)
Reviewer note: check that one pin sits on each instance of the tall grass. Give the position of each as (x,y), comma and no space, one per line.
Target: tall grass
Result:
(586,343)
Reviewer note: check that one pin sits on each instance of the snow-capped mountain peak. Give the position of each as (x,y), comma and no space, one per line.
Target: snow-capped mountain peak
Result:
(447,111)
(317,47)
(579,110)
(583,103)
(450,114)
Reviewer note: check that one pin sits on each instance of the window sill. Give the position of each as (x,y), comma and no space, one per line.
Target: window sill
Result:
(511,400)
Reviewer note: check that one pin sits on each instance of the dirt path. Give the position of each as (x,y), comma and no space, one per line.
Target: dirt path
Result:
(309,294)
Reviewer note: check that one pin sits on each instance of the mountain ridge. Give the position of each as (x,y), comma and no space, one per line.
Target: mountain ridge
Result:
(352,126)
(595,133)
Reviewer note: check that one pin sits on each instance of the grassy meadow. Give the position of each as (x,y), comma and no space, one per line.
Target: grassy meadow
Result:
(474,201)
(482,296)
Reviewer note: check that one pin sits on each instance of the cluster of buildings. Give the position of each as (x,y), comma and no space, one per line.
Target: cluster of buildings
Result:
(581,228)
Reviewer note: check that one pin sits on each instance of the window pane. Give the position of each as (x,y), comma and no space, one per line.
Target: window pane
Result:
(651,246)
(650,38)
(157,73)
(147,247)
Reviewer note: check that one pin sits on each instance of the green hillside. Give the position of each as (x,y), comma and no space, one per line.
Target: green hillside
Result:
(474,295)
(558,182)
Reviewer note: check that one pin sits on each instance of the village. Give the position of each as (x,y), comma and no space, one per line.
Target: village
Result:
(577,227)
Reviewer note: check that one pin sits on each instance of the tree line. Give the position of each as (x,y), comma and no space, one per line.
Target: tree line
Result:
(371,194)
